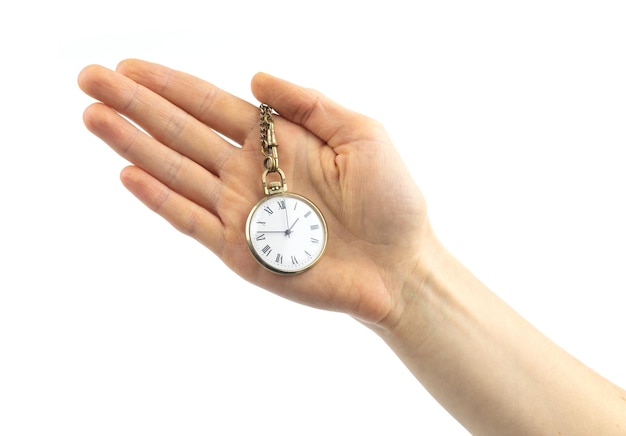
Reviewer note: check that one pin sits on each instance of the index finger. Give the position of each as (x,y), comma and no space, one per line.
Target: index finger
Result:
(225,113)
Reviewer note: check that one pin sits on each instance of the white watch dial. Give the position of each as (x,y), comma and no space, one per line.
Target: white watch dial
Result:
(286,233)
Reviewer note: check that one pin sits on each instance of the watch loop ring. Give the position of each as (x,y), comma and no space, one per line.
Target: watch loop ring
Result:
(276,187)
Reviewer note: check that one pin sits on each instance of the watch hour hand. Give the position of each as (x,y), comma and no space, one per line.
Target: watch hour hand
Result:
(288,232)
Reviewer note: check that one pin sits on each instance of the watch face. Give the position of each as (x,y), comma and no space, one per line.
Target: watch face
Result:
(286,233)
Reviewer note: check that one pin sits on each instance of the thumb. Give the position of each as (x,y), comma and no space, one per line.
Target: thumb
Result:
(309,108)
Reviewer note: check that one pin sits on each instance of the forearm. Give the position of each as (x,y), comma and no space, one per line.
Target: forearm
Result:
(489,367)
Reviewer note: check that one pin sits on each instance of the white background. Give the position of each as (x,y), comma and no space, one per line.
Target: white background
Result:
(511,116)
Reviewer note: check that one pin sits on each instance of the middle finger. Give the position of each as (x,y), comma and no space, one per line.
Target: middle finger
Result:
(167,123)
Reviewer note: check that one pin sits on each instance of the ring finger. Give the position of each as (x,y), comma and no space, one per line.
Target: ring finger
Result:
(171,168)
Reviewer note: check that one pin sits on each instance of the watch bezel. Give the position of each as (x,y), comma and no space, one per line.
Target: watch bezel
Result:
(262,260)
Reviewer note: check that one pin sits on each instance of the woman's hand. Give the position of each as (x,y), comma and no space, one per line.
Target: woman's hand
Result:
(186,171)
(483,362)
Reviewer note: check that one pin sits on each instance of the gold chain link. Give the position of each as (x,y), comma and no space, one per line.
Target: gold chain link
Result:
(268,138)
(266,122)
(269,149)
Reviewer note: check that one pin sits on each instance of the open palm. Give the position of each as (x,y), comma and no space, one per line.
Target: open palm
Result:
(205,187)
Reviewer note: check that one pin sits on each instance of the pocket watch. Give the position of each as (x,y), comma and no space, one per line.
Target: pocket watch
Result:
(286,232)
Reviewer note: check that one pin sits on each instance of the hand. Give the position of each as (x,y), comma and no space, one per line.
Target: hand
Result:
(205,186)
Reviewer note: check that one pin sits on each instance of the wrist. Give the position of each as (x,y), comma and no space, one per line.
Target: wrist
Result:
(413,315)
(435,291)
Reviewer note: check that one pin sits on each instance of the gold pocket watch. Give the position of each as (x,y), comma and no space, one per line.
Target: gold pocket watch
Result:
(286,232)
